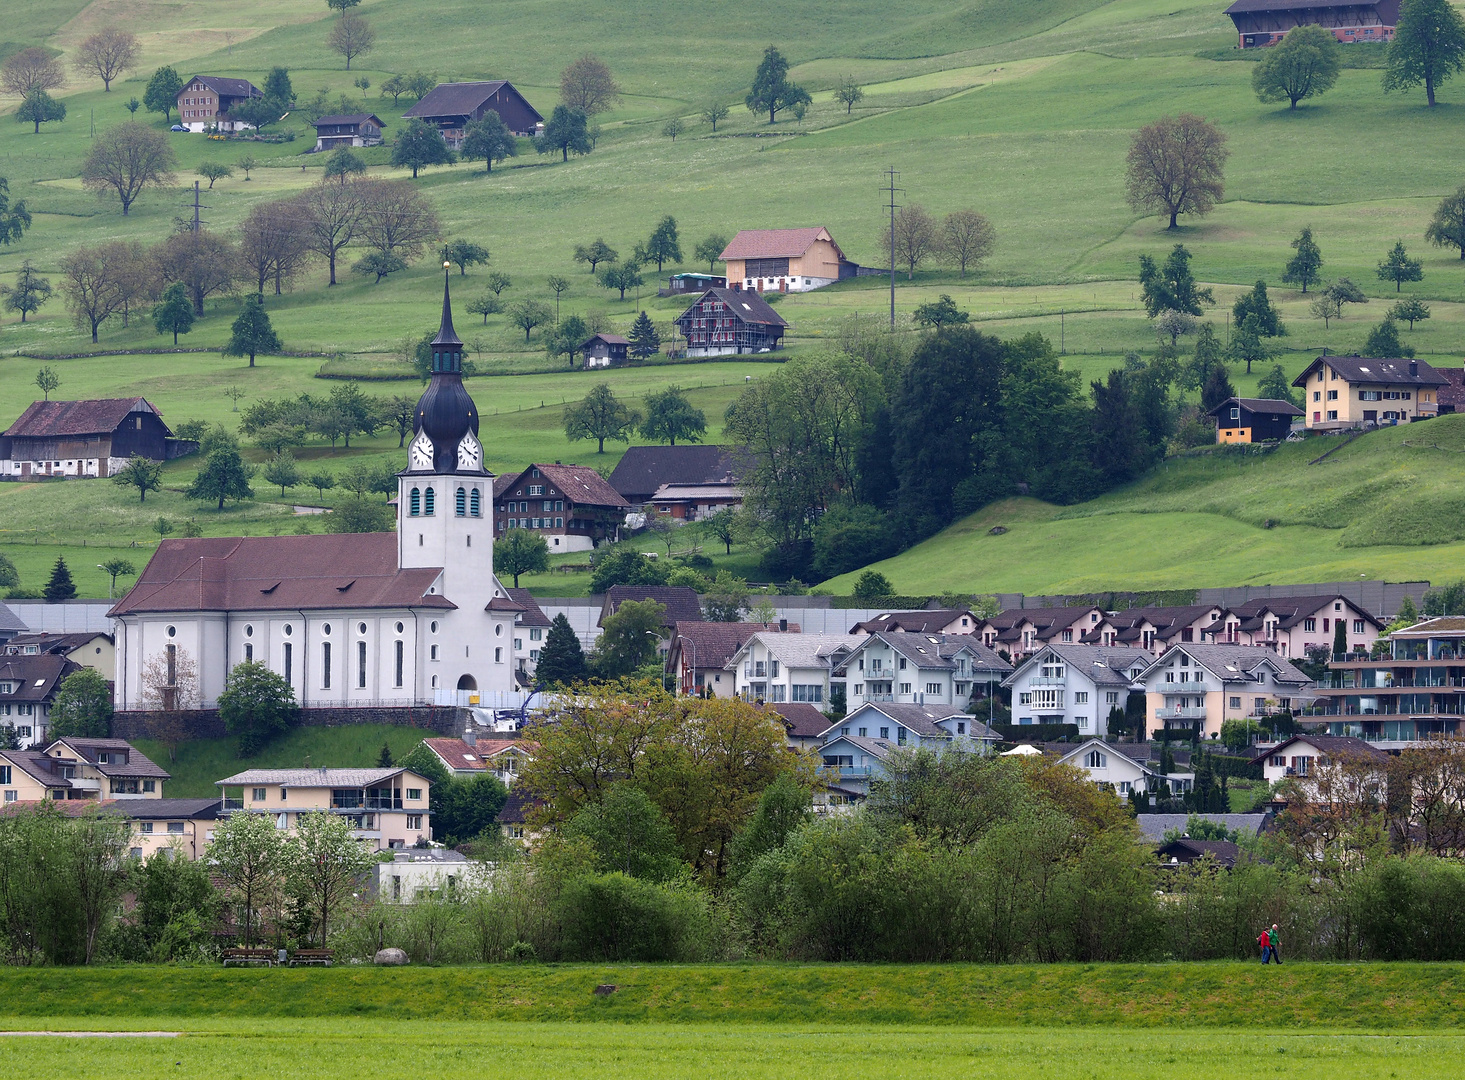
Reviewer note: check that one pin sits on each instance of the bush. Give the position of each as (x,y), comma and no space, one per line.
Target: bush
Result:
(626,566)
(615,917)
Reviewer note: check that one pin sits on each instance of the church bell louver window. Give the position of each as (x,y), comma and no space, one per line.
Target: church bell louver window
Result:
(415,501)
(460,505)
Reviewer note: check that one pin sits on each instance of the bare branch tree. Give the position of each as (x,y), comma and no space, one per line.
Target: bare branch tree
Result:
(332,214)
(127,159)
(273,242)
(587,85)
(967,238)
(916,237)
(396,218)
(107,54)
(29,70)
(351,36)
(1176,165)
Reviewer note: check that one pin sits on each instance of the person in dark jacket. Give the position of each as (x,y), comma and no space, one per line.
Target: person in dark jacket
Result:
(1274,940)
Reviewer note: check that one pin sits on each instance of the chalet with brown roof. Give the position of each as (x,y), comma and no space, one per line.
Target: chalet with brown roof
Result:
(28,686)
(1253,420)
(785,260)
(572,506)
(804,725)
(205,101)
(726,322)
(1361,391)
(1260,23)
(86,438)
(1451,396)
(698,651)
(604,350)
(450,107)
(348,129)
(1155,629)
(681,602)
(645,470)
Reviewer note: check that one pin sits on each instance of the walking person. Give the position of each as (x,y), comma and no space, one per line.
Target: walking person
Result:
(1265,941)
(1273,940)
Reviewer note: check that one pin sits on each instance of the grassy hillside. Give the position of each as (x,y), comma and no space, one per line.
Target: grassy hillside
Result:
(1388,505)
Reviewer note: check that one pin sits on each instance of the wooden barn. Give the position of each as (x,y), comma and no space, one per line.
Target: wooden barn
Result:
(86,438)
(353,129)
(725,322)
(1260,23)
(452,106)
(604,350)
(1253,420)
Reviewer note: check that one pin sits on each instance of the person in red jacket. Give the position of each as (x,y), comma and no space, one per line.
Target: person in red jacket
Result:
(1265,941)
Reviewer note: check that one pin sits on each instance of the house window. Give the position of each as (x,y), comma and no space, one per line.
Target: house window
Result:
(1309,625)
(885,733)
(432,653)
(149,785)
(1094,759)
(175,828)
(811,692)
(1236,703)
(1332,395)
(1081,697)
(900,736)
(414,793)
(1332,414)
(905,688)
(961,727)
(414,821)
(289,657)
(1111,697)
(248,652)
(257,794)
(1358,626)
(933,688)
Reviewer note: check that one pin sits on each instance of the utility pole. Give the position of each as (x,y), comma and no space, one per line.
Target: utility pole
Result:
(196,207)
(891,189)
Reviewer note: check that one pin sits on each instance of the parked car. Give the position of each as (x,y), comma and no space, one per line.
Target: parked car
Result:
(178,127)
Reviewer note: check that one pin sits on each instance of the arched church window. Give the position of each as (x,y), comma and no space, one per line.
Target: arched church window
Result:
(428,498)
(415,501)
(474,504)
(461,503)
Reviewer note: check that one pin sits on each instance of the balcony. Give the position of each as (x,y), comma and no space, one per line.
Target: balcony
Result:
(879,697)
(1180,714)
(1044,680)
(232,804)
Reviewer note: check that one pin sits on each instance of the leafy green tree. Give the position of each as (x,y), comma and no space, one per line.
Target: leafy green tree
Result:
(1412,310)
(174,313)
(283,471)
(624,276)
(485,305)
(115,568)
(83,707)
(1383,341)
(325,865)
(940,312)
(670,416)
(527,314)
(726,526)
(850,536)
(358,514)
(1171,286)
(521,551)
(40,108)
(1305,267)
(848,93)
(223,476)
(214,170)
(709,250)
(783,807)
(1258,305)
(1118,452)
(30,291)
(664,246)
(568,335)
(1329,304)
(162,92)
(625,566)
(278,87)
(140,473)
(771,90)
(1275,385)
(465,253)
(1398,267)
(177,905)
(249,854)
(1428,47)
(379,263)
(396,85)
(247,162)
(1446,228)
(1217,388)
(259,113)
(341,5)
(600,416)
(561,660)
(873,585)
(1305,64)
(9,575)
(1175,165)
(497,282)
(565,131)
(726,599)
(645,341)
(628,833)
(343,162)
(256,704)
(60,586)
(47,380)
(321,481)
(595,252)
(252,332)
(419,145)
(488,140)
(1247,344)
(14,220)
(629,638)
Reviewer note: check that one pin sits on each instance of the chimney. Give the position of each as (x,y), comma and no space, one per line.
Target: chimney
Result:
(783,625)
(470,734)
(1413,367)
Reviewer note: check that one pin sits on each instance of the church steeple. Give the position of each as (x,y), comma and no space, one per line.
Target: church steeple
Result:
(446,427)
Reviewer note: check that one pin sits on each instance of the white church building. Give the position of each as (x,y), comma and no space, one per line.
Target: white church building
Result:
(376,619)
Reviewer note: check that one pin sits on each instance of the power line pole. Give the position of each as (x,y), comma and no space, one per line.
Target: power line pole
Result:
(891,174)
(196,225)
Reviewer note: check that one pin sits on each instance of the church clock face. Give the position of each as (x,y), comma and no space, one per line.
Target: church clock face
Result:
(419,454)
(470,452)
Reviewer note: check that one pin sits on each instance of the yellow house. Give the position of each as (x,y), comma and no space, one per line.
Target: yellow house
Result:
(1203,686)
(74,768)
(186,825)
(93,650)
(1357,391)
(785,260)
(386,806)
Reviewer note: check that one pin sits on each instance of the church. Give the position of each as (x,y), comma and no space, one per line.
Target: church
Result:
(348,620)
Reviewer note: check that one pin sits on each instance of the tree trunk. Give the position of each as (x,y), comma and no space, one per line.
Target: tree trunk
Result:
(94,341)
(1173,215)
(332,260)
(251,364)
(1429,87)
(602,447)
(565,151)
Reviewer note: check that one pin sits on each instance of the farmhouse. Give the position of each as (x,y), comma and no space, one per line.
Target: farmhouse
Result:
(645,470)
(1253,420)
(572,506)
(785,260)
(452,106)
(1265,22)
(604,350)
(1360,391)
(205,101)
(682,503)
(725,322)
(86,438)
(355,129)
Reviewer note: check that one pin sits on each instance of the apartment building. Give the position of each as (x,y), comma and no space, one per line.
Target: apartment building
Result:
(387,807)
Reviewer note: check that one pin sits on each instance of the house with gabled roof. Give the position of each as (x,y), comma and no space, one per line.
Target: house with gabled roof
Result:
(1253,420)
(803,724)
(205,101)
(348,129)
(931,669)
(727,322)
(698,651)
(1019,632)
(785,260)
(926,621)
(386,806)
(1260,23)
(1154,628)
(1076,684)
(1201,686)
(1360,391)
(531,624)
(473,756)
(571,506)
(779,667)
(86,438)
(28,687)
(645,470)
(451,107)
(682,602)
(1113,766)
(1293,624)
(604,350)
(914,725)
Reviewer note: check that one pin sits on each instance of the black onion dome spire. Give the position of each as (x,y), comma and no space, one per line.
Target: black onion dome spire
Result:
(445,411)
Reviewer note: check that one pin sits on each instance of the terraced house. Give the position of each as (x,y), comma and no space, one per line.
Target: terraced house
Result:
(922,669)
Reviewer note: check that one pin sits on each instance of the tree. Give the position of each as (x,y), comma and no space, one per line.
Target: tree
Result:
(132,105)
(1247,344)
(397,218)
(326,863)
(941,312)
(916,238)
(82,708)
(596,252)
(1176,165)
(174,313)
(91,281)
(1303,268)
(256,705)
(967,238)
(352,36)
(30,291)
(873,585)
(527,314)
(1398,267)
(47,380)
(1256,303)
(162,92)
(40,108)
(564,132)
(396,85)
(645,341)
(249,854)
(567,337)
(247,162)
(259,113)
(283,471)
(204,262)
(344,162)
(521,551)
(214,170)
(726,526)
(726,599)
(1383,341)
(333,214)
(1172,325)
(60,586)
(588,87)
(485,305)
(419,145)
(848,93)
(489,140)
(1276,386)
(29,70)
(600,416)
(771,90)
(561,659)
(1428,47)
(713,112)
(1446,228)
(465,254)
(14,220)
(622,277)
(1305,64)
(1217,389)
(497,282)
(625,566)
(629,638)
(322,480)
(341,5)
(126,159)
(664,245)
(1171,286)
(1329,304)
(223,476)
(710,249)
(674,127)
(140,473)
(272,242)
(670,416)
(1411,311)
(115,568)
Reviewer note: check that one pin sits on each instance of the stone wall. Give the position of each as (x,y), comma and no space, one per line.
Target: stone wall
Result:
(205,723)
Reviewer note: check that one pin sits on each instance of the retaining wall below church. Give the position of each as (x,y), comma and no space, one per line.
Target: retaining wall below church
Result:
(205,723)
